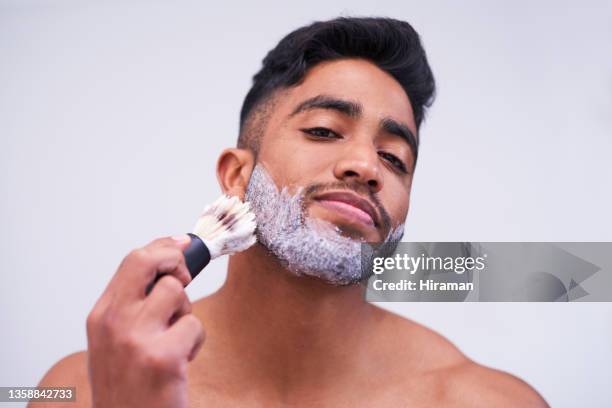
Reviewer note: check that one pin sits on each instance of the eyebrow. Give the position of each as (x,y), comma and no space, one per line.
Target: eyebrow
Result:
(354,110)
(349,108)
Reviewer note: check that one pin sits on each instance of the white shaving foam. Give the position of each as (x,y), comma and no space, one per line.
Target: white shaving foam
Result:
(305,245)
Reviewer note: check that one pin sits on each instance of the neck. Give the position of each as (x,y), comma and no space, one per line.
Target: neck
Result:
(286,330)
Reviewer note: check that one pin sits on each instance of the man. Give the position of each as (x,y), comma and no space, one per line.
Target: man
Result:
(326,155)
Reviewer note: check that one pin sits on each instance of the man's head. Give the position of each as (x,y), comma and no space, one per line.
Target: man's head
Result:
(392,45)
(333,116)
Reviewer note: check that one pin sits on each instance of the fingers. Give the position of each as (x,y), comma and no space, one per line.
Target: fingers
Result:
(140,267)
(186,336)
(166,301)
(178,241)
(137,342)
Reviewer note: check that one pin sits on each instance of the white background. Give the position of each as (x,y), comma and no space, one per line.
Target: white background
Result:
(112,115)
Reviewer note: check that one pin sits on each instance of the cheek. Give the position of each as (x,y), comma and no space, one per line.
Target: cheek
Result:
(396,199)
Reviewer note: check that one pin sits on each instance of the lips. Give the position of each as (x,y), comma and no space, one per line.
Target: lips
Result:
(350,205)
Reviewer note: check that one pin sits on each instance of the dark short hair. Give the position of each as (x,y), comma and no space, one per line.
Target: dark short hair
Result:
(393,45)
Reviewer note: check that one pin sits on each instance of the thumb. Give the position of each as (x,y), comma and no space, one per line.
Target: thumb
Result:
(181,241)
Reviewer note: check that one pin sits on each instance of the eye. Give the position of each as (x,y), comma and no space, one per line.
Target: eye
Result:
(397,163)
(321,132)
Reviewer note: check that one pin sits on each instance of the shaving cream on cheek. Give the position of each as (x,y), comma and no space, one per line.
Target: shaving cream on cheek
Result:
(305,245)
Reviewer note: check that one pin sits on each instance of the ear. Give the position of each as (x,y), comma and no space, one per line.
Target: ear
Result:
(234,169)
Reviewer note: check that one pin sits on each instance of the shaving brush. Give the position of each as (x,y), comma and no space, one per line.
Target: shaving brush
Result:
(225,227)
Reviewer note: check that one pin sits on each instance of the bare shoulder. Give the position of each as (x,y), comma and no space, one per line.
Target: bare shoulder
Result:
(476,385)
(444,375)
(70,371)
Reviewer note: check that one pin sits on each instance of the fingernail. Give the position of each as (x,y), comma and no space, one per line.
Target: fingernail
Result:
(181,238)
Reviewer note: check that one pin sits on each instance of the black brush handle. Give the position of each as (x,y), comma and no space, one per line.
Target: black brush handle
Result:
(197,256)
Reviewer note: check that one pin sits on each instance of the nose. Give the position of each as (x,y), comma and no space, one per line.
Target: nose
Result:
(360,163)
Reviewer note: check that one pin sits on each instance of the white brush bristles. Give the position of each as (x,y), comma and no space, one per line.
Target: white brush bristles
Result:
(226,226)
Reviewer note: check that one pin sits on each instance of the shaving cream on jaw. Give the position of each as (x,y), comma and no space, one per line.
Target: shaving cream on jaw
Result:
(305,245)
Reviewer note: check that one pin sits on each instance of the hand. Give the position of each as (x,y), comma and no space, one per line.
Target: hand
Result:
(139,345)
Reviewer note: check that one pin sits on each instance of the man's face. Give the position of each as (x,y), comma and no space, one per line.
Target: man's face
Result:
(341,134)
